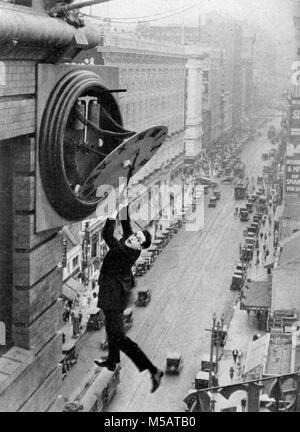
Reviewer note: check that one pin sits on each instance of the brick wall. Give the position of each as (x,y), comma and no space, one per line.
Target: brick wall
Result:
(17,103)
(31,282)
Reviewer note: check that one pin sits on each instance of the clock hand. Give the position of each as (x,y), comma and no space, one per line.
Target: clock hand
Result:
(88,148)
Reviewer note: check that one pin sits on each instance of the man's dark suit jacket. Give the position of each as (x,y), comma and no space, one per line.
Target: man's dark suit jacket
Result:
(115,279)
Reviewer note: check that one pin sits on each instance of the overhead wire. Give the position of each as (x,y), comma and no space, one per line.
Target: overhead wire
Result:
(153,17)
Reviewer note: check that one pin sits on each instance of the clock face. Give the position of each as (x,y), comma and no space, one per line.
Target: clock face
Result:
(82,143)
(80,126)
(138,149)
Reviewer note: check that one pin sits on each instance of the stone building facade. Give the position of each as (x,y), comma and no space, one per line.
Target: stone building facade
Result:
(31,280)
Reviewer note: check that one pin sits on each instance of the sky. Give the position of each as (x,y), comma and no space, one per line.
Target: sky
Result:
(273,15)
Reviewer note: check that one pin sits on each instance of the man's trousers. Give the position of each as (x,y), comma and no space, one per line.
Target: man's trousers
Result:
(118,341)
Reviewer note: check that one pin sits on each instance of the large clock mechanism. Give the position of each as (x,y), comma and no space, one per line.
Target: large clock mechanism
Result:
(82,143)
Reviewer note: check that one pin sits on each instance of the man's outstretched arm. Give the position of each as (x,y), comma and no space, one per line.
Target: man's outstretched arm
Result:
(125,222)
(108,231)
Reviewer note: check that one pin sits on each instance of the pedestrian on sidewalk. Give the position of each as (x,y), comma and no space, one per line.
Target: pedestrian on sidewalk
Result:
(115,285)
(234,355)
(261,235)
(239,356)
(257,262)
(257,253)
(243,404)
(257,244)
(231,372)
(265,236)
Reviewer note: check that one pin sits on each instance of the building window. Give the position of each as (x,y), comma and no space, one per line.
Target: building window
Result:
(75,262)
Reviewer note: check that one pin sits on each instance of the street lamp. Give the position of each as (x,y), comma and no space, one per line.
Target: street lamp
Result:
(211,357)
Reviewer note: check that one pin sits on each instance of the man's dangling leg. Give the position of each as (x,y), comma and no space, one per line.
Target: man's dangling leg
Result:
(112,341)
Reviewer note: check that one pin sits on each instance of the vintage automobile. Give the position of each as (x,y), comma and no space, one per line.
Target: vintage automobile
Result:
(262,204)
(237,281)
(240,190)
(127,316)
(257,218)
(206,364)
(244,215)
(212,202)
(144,296)
(96,319)
(246,254)
(69,357)
(241,266)
(174,363)
(217,194)
(250,241)
(202,380)
(253,228)
(249,206)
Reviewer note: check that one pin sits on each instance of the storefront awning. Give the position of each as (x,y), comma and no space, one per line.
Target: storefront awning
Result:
(257,295)
(71,288)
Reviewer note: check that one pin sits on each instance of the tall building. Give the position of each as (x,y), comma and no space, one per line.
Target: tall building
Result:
(31,281)
(212,66)
(247,71)
(220,31)
(291,207)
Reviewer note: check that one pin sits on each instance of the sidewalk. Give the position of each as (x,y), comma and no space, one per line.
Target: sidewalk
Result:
(85,309)
(241,330)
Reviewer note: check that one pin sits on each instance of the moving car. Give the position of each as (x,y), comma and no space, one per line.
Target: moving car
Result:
(244,215)
(174,363)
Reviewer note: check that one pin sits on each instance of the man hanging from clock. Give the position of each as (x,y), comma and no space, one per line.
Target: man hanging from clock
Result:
(115,284)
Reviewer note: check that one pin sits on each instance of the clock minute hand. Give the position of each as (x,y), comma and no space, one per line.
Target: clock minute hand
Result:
(86,99)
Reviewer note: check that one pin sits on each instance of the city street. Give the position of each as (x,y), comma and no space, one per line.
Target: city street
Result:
(196,110)
(189,281)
